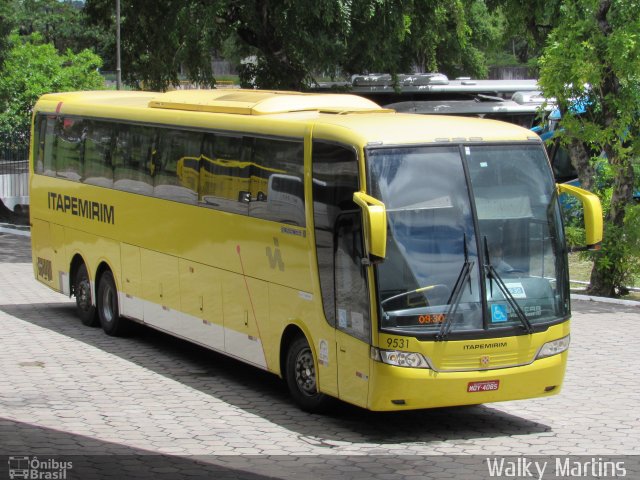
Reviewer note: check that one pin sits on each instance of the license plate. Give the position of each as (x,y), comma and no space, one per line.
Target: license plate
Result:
(486,386)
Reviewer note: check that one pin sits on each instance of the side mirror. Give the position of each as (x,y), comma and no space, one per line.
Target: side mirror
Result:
(592,213)
(374,216)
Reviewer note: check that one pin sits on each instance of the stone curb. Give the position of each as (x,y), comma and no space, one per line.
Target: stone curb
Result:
(615,301)
(15,231)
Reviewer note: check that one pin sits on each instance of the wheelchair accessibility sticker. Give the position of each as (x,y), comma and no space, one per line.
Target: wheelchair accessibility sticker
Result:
(499,313)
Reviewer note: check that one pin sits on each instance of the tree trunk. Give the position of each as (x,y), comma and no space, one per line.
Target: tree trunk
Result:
(581,161)
(606,277)
(607,274)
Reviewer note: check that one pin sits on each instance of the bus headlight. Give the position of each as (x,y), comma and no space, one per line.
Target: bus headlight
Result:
(399,359)
(553,348)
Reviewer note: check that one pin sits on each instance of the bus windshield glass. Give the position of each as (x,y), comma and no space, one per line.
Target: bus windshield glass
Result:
(480,255)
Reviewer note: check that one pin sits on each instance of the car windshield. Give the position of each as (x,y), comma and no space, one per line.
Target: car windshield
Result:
(470,255)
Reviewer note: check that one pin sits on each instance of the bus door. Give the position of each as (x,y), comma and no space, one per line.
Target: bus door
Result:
(338,237)
(353,323)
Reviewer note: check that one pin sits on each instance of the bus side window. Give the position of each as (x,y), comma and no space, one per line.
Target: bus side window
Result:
(277,188)
(70,133)
(97,154)
(39,129)
(224,173)
(335,178)
(132,159)
(49,154)
(176,165)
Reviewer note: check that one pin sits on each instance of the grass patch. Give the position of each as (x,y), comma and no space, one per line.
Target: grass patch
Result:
(580,269)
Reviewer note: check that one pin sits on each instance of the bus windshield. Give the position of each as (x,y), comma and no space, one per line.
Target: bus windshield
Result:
(479,255)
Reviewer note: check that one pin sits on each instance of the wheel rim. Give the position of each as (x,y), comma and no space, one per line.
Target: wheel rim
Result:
(83,295)
(305,372)
(107,304)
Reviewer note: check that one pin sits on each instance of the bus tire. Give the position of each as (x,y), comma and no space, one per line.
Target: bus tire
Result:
(82,291)
(301,378)
(107,305)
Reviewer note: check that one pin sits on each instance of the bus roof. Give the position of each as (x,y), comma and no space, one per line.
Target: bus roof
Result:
(337,116)
(260,102)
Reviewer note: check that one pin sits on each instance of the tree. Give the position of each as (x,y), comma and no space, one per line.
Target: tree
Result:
(289,43)
(160,38)
(450,36)
(593,57)
(33,68)
(6,25)
(528,24)
(59,22)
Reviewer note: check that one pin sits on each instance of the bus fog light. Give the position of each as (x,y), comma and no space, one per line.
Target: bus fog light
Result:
(553,348)
(399,359)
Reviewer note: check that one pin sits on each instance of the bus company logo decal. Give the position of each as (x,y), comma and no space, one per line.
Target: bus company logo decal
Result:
(275,257)
(80,207)
(484,346)
(34,468)
(294,231)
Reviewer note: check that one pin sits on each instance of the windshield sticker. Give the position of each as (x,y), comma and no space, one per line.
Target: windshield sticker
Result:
(516,290)
(499,313)
(323,353)
(484,164)
(342,318)
(467,150)
(357,322)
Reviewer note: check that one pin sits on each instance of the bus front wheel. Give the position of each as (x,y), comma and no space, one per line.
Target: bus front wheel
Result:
(107,304)
(82,290)
(302,379)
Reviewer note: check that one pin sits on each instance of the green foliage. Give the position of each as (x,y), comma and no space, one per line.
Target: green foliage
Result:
(592,59)
(6,25)
(526,25)
(445,36)
(59,22)
(575,236)
(620,255)
(160,38)
(288,43)
(33,68)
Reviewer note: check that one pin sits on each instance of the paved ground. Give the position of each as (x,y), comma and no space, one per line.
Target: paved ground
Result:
(71,393)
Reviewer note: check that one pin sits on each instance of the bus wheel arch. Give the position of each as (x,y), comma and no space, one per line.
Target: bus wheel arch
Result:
(107,303)
(80,287)
(298,367)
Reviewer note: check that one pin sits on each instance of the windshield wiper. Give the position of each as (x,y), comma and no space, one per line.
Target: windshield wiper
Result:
(492,275)
(456,294)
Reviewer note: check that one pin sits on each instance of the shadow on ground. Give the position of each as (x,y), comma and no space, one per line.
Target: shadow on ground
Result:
(263,394)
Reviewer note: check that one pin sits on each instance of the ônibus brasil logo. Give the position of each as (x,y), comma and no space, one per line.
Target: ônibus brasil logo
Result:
(33,468)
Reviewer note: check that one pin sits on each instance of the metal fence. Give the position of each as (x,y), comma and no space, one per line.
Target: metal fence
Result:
(14,171)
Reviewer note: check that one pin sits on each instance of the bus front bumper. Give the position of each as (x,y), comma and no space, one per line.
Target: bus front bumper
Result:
(398,388)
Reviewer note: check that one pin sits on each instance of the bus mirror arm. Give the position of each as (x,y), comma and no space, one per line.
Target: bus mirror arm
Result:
(374,227)
(592,214)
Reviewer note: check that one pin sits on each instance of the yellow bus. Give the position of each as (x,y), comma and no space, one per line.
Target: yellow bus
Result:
(393,261)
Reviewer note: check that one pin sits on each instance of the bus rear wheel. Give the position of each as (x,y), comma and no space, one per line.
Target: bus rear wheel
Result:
(107,305)
(82,290)
(302,379)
